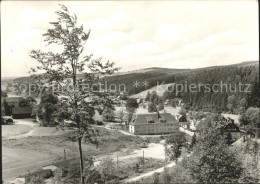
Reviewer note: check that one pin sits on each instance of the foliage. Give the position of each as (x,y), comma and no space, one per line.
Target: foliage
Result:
(108,170)
(7,108)
(65,73)
(174,144)
(179,174)
(228,79)
(3,94)
(147,97)
(123,97)
(160,107)
(46,108)
(156,178)
(130,113)
(131,103)
(36,180)
(183,112)
(193,142)
(108,114)
(121,115)
(250,120)
(152,107)
(174,102)
(27,102)
(212,161)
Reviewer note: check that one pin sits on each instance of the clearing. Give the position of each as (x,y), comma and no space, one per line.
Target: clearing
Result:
(160,89)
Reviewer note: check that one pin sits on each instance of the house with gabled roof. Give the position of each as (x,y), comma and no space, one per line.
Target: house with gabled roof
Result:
(21,112)
(155,123)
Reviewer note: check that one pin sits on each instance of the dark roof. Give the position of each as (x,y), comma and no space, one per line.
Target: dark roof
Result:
(12,99)
(142,118)
(182,118)
(21,110)
(231,127)
(35,172)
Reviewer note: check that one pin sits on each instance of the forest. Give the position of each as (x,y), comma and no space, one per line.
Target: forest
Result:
(230,98)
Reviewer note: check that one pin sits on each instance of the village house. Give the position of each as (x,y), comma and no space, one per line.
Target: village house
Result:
(21,112)
(156,123)
(233,129)
(230,128)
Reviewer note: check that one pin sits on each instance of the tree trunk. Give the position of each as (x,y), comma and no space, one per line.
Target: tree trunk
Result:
(81,163)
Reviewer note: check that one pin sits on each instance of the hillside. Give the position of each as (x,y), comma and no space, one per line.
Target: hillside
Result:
(154,76)
(160,89)
(157,70)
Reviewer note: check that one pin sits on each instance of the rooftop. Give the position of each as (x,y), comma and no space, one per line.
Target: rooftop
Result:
(143,118)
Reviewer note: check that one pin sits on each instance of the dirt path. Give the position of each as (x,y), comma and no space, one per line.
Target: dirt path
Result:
(27,122)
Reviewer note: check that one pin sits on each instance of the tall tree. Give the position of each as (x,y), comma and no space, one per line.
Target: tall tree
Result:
(147,97)
(47,108)
(108,114)
(131,103)
(250,119)
(3,94)
(174,144)
(152,107)
(67,69)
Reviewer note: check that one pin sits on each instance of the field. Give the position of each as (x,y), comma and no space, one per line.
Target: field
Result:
(46,144)
(27,147)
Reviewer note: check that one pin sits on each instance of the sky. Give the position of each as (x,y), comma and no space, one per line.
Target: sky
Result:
(137,34)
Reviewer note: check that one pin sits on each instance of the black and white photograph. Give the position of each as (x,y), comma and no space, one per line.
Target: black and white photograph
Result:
(130,92)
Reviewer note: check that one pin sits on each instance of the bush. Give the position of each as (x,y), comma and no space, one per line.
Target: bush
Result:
(100,123)
(152,107)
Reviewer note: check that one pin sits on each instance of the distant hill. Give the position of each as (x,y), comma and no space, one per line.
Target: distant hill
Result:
(152,75)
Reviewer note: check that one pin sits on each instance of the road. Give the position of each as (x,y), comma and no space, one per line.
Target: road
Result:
(27,122)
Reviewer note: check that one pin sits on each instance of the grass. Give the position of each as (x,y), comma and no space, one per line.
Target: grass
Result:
(51,148)
(12,130)
(128,168)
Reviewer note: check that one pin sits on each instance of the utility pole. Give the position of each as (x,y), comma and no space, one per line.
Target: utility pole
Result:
(143,160)
(65,154)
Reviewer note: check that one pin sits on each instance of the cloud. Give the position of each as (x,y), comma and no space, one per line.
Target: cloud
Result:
(138,35)
(33,18)
(119,21)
